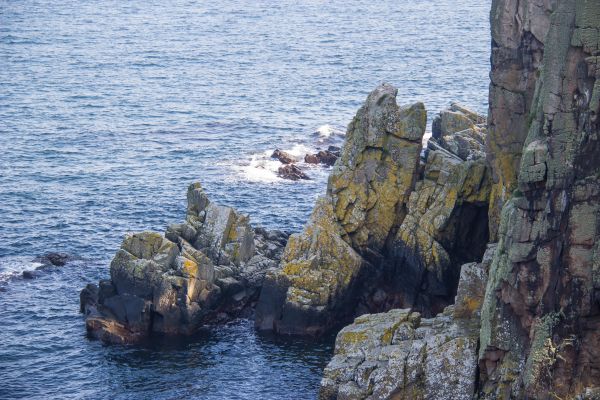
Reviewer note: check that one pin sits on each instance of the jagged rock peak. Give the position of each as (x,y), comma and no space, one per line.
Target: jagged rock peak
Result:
(207,269)
(366,200)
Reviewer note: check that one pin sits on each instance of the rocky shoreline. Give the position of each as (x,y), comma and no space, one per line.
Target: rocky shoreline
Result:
(468,269)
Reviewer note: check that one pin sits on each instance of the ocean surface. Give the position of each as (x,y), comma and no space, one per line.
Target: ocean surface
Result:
(110,109)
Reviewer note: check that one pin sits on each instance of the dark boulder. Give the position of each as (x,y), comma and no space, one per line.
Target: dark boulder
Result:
(291,172)
(322,157)
(55,259)
(284,157)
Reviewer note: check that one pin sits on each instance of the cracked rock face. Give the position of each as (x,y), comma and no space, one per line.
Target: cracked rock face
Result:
(400,355)
(446,226)
(519,29)
(366,198)
(206,269)
(375,174)
(541,317)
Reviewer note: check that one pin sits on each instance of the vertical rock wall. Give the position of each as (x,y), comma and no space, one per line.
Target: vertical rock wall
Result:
(518,31)
(540,335)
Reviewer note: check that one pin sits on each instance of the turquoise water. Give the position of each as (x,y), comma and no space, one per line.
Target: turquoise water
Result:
(108,110)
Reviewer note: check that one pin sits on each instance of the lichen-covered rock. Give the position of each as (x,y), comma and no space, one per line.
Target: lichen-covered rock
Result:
(314,285)
(446,226)
(366,198)
(541,316)
(455,119)
(206,269)
(375,174)
(459,131)
(400,355)
(519,29)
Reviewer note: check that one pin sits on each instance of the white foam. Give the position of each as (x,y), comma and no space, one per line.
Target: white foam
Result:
(11,267)
(327,132)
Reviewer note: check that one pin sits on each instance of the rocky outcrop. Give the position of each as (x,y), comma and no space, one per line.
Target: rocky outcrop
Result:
(537,334)
(207,269)
(519,29)
(309,293)
(401,355)
(390,232)
(541,317)
(284,157)
(460,131)
(370,184)
(366,198)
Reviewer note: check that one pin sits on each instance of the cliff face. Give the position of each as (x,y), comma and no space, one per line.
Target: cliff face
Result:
(519,29)
(542,307)
(537,334)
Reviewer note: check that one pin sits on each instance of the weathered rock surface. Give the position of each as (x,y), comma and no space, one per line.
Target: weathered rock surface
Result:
(401,355)
(207,269)
(460,131)
(366,198)
(540,335)
(446,226)
(308,295)
(519,29)
(377,170)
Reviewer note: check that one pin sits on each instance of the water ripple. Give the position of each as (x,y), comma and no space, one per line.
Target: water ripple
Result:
(109,109)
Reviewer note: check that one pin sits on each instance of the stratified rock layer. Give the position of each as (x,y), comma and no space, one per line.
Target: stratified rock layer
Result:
(540,335)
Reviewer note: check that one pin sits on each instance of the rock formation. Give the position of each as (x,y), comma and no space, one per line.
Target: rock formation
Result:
(322,157)
(366,198)
(291,172)
(537,335)
(283,157)
(541,317)
(207,269)
(401,355)
(401,236)
(389,232)
(518,32)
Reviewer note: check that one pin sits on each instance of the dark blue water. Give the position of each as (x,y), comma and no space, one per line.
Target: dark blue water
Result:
(109,109)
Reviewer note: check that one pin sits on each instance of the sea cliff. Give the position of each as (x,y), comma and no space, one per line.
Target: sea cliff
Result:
(465,269)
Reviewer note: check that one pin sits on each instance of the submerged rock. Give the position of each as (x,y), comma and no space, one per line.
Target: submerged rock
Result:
(291,172)
(173,284)
(55,259)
